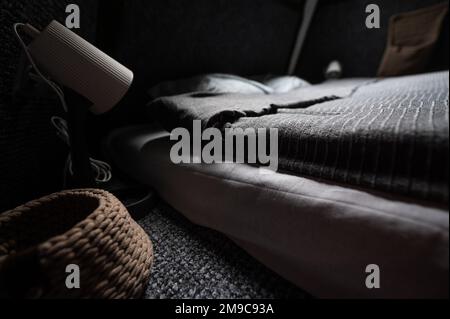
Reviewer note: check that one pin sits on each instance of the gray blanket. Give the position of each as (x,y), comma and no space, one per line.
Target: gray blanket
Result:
(390,135)
(220,109)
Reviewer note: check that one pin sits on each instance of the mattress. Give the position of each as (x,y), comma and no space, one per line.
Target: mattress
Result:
(319,235)
(387,134)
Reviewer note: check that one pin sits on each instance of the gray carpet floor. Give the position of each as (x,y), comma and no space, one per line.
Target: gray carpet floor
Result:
(192,262)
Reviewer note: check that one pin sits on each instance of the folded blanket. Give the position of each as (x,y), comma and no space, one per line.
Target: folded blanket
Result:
(219,109)
(388,134)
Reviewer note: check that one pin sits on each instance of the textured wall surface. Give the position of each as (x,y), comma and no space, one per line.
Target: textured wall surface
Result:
(338,32)
(174,38)
(31,156)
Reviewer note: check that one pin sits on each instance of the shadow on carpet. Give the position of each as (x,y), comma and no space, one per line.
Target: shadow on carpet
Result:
(192,262)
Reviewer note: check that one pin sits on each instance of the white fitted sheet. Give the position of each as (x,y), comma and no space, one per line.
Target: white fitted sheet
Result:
(320,236)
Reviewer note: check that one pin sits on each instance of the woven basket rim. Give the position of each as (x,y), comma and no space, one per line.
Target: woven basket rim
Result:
(103,239)
(20,211)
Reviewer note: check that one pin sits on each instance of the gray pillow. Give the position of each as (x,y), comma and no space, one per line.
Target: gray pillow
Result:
(226,83)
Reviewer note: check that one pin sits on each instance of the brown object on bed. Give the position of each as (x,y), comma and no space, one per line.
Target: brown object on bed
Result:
(87,228)
(411,40)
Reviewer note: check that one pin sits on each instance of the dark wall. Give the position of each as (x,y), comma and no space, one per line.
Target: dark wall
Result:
(31,156)
(164,40)
(338,32)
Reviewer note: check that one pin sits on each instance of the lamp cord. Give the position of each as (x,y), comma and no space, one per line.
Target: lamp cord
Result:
(102,170)
(51,84)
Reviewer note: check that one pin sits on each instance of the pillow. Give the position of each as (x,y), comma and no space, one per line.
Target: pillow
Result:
(227,83)
(284,84)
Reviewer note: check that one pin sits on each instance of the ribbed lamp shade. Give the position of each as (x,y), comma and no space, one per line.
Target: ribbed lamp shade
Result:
(75,63)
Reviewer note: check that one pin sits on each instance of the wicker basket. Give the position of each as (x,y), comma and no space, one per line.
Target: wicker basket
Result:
(87,228)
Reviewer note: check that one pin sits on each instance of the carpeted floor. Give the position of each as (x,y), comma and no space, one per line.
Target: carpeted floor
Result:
(192,262)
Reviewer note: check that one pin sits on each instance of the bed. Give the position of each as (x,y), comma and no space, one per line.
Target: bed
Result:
(319,223)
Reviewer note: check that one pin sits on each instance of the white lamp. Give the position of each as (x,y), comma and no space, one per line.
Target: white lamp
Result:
(95,82)
(75,63)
